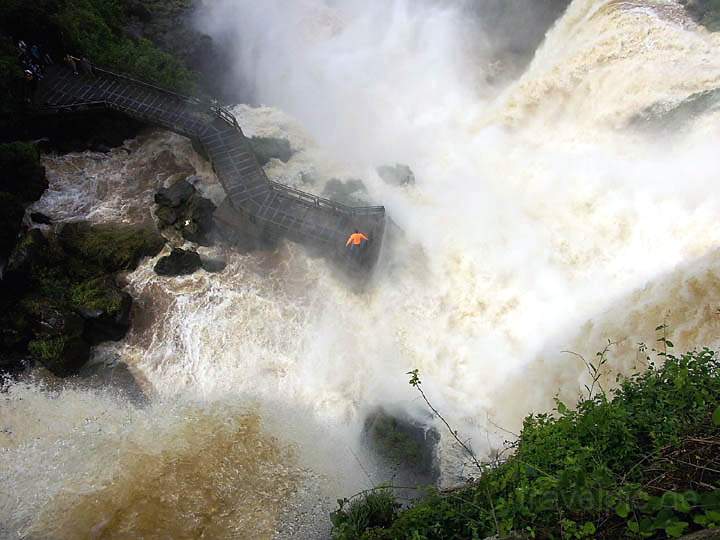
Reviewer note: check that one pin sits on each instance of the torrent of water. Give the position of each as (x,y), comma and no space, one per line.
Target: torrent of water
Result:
(540,222)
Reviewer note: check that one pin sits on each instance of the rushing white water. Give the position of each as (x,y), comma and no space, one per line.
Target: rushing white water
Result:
(539,223)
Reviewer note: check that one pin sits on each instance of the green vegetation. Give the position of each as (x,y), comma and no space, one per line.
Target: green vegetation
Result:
(92,28)
(392,441)
(110,247)
(639,462)
(96,294)
(60,294)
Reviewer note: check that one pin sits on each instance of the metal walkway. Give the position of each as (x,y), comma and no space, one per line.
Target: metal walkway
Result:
(276,209)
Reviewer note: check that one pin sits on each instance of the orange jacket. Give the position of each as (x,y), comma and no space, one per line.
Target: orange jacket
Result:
(356,239)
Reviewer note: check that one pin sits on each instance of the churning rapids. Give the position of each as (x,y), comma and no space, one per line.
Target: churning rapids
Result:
(541,221)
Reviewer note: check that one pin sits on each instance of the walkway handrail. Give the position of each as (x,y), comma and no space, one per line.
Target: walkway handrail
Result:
(316,200)
(187,99)
(226,116)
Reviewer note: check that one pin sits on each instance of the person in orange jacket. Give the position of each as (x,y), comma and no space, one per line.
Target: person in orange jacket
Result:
(356,241)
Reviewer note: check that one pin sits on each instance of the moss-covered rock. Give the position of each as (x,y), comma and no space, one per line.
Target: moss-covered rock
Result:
(62,355)
(403,444)
(104,307)
(112,248)
(351,192)
(31,254)
(267,148)
(21,173)
(11,215)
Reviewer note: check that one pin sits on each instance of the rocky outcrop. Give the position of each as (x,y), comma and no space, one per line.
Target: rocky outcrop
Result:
(60,295)
(57,342)
(40,219)
(182,207)
(267,148)
(213,265)
(351,192)
(104,308)
(170,25)
(403,445)
(22,180)
(110,247)
(21,173)
(11,215)
(179,263)
(396,175)
(705,12)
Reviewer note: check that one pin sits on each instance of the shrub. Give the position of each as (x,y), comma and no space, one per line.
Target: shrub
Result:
(639,462)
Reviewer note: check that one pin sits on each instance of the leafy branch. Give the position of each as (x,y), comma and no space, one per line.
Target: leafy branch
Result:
(416,383)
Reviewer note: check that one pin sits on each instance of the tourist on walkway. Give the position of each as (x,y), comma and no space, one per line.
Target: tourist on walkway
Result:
(356,242)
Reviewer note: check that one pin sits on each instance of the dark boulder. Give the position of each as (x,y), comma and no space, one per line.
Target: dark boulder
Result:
(40,219)
(179,263)
(403,445)
(15,334)
(11,215)
(197,222)
(104,308)
(396,175)
(57,341)
(267,148)
(31,253)
(110,247)
(21,173)
(351,192)
(177,194)
(63,356)
(181,206)
(166,216)
(213,265)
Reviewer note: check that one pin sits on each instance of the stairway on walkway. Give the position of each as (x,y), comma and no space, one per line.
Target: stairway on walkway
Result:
(277,210)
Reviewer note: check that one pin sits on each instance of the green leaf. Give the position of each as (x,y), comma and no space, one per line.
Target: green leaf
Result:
(676,529)
(623,510)
(588,529)
(716,417)
(669,343)
(681,504)
(633,526)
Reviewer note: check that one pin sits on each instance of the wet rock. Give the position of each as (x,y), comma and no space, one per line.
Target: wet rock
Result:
(179,263)
(31,253)
(166,216)
(112,248)
(181,206)
(350,192)
(11,364)
(213,265)
(396,175)
(267,148)
(104,308)
(403,444)
(57,341)
(40,219)
(63,356)
(15,334)
(21,173)
(174,196)
(11,215)
(197,222)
